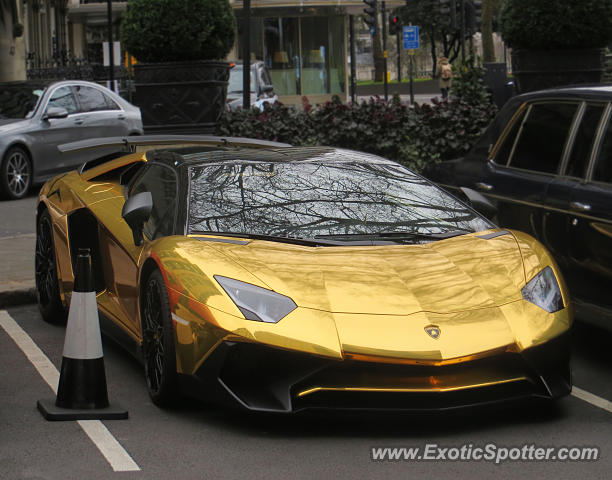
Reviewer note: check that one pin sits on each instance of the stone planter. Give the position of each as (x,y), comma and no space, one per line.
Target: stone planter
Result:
(181,97)
(539,69)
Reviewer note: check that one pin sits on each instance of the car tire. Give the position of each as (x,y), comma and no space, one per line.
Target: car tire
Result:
(15,174)
(45,273)
(158,341)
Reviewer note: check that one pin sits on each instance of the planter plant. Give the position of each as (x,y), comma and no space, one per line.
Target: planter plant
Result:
(181,75)
(556,42)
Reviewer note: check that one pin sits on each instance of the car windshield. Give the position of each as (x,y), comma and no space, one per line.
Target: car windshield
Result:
(235,80)
(18,101)
(323,200)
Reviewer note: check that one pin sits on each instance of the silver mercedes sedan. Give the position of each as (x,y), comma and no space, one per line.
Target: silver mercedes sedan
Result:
(36,117)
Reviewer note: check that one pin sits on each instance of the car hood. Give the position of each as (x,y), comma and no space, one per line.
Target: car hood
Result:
(10,124)
(453,275)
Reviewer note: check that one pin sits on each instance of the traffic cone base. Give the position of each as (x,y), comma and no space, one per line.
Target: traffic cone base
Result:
(50,411)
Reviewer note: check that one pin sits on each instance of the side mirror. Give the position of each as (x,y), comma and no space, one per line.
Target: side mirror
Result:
(136,212)
(480,203)
(55,112)
(267,88)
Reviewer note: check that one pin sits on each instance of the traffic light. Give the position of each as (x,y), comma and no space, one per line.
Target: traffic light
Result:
(449,8)
(473,14)
(371,15)
(394,25)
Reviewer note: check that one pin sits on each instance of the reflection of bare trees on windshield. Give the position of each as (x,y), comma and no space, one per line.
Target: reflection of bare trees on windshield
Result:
(303,199)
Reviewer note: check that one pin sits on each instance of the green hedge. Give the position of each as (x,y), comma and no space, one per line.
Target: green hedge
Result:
(412,136)
(178,30)
(556,24)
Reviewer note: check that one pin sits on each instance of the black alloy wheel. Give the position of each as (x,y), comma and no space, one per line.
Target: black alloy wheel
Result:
(45,273)
(158,341)
(16,174)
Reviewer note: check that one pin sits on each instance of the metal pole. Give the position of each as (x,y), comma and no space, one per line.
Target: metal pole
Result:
(411,78)
(384,39)
(111,60)
(399,56)
(462,33)
(353,58)
(246,55)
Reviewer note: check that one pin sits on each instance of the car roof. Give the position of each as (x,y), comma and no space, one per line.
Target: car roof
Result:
(587,92)
(194,156)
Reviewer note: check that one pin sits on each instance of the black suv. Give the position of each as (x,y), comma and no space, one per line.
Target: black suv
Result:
(546,161)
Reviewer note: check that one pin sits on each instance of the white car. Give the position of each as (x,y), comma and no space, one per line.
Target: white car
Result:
(262,90)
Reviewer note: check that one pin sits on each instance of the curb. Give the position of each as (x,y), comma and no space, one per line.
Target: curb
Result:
(14,298)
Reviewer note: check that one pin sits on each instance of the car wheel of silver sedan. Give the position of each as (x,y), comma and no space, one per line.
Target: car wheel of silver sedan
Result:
(16,174)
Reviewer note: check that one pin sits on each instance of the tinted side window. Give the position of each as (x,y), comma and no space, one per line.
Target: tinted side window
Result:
(583,143)
(91,99)
(505,150)
(543,137)
(161,182)
(63,98)
(110,103)
(603,165)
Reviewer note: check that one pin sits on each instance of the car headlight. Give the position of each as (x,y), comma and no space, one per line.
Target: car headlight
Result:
(257,303)
(543,290)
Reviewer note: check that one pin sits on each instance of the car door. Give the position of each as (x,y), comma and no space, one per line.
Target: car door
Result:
(591,224)
(525,162)
(55,131)
(102,116)
(118,250)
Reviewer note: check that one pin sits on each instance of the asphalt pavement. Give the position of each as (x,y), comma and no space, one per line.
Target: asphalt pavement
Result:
(17,242)
(196,440)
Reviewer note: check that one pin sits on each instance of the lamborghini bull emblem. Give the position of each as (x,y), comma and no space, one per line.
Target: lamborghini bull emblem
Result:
(433,331)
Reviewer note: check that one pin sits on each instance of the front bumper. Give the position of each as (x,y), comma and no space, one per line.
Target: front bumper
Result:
(261,378)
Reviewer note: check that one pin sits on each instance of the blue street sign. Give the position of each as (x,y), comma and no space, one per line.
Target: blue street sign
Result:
(411,37)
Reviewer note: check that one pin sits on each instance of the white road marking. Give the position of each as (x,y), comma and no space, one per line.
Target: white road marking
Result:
(109,447)
(592,399)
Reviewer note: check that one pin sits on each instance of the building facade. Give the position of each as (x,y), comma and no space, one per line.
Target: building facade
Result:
(304,43)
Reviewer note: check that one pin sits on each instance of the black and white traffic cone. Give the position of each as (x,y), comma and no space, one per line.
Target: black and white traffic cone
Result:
(81,393)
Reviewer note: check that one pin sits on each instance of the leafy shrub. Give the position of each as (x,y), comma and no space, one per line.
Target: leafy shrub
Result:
(468,82)
(556,24)
(178,30)
(412,136)
(277,122)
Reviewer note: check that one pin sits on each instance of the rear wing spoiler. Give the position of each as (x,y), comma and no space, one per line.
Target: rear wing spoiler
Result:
(142,143)
(113,147)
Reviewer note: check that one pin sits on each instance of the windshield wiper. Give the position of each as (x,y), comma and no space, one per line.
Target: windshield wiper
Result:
(397,235)
(274,238)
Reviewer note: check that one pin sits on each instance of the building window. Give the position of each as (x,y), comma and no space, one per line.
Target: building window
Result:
(282,54)
(304,55)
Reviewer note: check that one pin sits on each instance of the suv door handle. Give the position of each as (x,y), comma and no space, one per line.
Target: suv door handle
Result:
(584,207)
(485,187)
(121,116)
(78,121)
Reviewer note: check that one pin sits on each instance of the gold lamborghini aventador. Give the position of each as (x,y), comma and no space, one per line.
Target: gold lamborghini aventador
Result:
(282,278)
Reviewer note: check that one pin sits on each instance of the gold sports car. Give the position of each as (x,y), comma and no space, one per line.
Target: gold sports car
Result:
(283,278)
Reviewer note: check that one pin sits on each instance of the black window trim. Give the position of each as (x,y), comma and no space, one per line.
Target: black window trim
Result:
(606,118)
(571,139)
(506,131)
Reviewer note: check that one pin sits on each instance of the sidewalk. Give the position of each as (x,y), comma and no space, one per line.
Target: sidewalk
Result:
(17,271)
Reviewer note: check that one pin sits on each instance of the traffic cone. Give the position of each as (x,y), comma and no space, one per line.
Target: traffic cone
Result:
(81,393)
